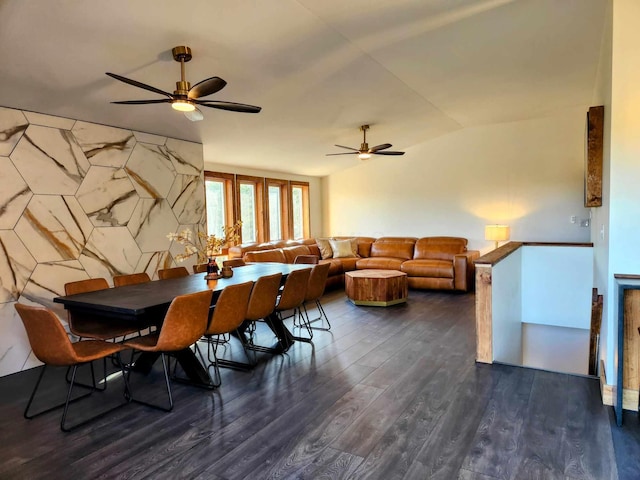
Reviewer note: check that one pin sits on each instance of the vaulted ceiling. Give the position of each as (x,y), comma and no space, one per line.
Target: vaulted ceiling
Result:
(412,69)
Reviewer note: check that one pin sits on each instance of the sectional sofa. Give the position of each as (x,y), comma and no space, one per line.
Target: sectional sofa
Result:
(441,263)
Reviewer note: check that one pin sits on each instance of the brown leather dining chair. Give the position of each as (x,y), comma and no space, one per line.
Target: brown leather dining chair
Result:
(184,323)
(261,305)
(234,262)
(131,279)
(200,268)
(292,297)
(175,272)
(51,345)
(315,290)
(228,314)
(84,326)
(306,260)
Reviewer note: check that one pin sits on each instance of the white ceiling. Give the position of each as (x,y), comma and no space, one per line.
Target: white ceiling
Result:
(412,69)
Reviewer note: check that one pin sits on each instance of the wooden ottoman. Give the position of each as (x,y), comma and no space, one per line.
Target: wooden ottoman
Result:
(379,288)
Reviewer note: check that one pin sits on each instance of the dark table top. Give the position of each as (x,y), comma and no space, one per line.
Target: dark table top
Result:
(137,300)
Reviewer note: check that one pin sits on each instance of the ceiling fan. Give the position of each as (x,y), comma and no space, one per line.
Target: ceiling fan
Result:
(365,152)
(186,98)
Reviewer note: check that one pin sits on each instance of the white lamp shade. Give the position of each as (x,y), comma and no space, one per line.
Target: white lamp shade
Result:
(497,233)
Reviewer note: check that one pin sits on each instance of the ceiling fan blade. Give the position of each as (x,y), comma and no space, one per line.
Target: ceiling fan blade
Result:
(346,153)
(348,148)
(207,87)
(231,106)
(139,84)
(380,147)
(387,153)
(142,102)
(194,116)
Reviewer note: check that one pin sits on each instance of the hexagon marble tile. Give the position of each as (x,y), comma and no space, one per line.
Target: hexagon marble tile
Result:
(14,194)
(54,228)
(107,196)
(102,145)
(151,170)
(80,200)
(13,123)
(186,201)
(16,265)
(150,223)
(50,160)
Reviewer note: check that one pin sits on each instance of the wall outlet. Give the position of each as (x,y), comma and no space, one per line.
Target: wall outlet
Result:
(573,219)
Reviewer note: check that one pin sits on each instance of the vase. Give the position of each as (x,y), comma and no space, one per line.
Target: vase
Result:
(212,268)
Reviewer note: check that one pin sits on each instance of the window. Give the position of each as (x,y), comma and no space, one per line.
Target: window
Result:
(277,209)
(219,198)
(300,210)
(270,208)
(250,207)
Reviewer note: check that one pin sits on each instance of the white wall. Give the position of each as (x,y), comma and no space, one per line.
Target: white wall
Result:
(624,204)
(315,187)
(600,215)
(556,286)
(506,306)
(527,174)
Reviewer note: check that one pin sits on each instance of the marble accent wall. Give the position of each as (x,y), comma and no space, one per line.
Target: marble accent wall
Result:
(80,200)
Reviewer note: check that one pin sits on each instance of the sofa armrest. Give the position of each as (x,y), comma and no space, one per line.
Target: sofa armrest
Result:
(464,270)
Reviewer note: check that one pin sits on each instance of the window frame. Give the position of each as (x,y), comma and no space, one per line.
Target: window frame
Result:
(258,189)
(233,213)
(306,211)
(283,186)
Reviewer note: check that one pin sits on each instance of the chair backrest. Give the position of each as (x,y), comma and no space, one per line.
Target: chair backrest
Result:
(175,272)
(294,290)
(306,259)
(84,286)
(317,281)
(131,279)
(48,339)
(263,297)
(234,262)
(230,309)
(185,321)
(200,268)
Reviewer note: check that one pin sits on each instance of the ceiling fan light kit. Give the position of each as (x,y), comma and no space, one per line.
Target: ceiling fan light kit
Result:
(186,98)
(364,152)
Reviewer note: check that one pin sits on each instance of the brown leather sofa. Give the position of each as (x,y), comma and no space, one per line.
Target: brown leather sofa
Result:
(441,263)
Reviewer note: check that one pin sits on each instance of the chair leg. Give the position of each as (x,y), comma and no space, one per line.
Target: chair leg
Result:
(216,379)
(127,396)
(322,316)
(165,370)
(93,386)
(303,322)
(29,416)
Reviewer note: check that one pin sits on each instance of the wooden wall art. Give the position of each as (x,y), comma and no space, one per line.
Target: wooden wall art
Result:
(593,157)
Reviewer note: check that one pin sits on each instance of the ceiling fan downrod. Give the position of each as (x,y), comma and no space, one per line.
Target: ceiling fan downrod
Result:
(182,55)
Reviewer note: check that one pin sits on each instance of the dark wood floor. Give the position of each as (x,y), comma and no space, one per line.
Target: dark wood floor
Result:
(388,393)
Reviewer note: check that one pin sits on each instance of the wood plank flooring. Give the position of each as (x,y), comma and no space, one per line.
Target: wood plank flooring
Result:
(388,393)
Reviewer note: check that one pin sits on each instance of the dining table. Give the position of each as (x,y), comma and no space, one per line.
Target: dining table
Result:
(147,303)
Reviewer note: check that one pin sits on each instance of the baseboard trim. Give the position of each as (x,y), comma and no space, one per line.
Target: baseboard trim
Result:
(629,397)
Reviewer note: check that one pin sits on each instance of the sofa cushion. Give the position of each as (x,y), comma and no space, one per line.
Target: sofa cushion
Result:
(428,268)
(341,248)
(439,248)
(290,253)
(348,263)
(384,263)
(402,250)
(325,248)
(274,255)
(336,266)
(314,250)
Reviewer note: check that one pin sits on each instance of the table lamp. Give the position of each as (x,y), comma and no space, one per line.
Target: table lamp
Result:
(496,233)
